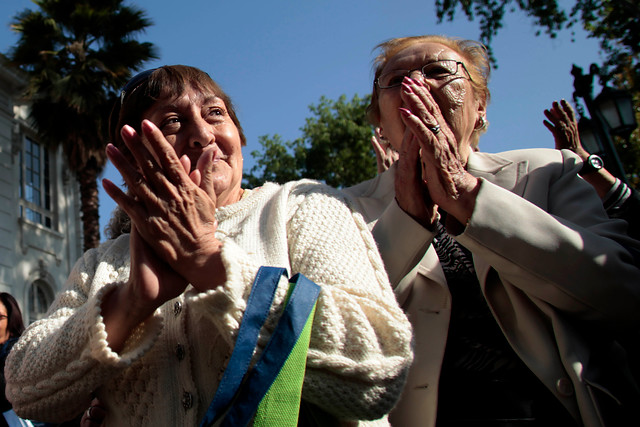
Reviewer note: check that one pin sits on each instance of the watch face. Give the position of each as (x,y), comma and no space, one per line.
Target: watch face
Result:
(596,162)
(592,164)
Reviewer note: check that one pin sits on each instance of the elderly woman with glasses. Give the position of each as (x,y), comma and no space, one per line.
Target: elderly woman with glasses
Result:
(516,282)
(148,320)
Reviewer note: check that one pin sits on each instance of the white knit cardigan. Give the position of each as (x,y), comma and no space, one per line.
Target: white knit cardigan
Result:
(171,365)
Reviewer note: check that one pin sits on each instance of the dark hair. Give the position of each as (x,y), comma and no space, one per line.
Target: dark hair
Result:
(150,86)
(139,94)
(14,315)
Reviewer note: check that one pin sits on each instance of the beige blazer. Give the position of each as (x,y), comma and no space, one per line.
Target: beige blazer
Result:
(552,266)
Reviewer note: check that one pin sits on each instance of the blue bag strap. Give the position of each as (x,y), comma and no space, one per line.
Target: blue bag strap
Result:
(258,305)
(300,305)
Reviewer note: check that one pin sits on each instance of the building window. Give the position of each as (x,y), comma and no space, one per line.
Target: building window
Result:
(35,184)
(40,298)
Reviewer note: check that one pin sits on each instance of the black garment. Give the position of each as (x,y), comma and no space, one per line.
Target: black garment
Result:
(5,405)
(483,382)
(624,203)
(630,212)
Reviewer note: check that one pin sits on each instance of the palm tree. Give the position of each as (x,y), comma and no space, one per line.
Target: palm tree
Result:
(76,55)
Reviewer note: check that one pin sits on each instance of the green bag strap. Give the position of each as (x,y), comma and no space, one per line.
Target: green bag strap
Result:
(295,320)
(281,405)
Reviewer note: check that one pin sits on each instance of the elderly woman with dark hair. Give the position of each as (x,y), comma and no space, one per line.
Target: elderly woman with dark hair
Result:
(149,319)
(11,323)
(11,327)
(516,282)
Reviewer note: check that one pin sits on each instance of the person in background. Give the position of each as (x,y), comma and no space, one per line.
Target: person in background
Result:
(148,320)
(386,155)
(503,262)
(11,327)
(619,200)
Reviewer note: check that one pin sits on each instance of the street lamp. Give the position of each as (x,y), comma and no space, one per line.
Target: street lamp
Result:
(616,107)
(611,113)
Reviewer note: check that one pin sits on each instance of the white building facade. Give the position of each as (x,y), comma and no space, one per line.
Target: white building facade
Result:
(40,228)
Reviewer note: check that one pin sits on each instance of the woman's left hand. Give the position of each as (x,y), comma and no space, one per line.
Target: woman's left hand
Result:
(174,215)
(450,186)
(561,122)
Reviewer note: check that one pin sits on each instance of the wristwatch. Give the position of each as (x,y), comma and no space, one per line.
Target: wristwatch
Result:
(593,164)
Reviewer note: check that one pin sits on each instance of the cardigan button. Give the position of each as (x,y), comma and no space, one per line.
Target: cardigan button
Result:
(180,352)
(177,308)
(564,387)
(187,400)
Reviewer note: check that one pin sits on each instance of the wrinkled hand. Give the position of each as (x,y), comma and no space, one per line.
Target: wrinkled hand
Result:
(449,185)
(171,213)
(412,193)
(94,415)
(151,280)
(564,127)
(385,154)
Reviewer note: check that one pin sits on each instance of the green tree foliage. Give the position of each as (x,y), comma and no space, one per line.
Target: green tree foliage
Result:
(335,148)
(76,55)
(614,23)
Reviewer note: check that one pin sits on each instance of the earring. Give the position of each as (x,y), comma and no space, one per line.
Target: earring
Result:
(483,124)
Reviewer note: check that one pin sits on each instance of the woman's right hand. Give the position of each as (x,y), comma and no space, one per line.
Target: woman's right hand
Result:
(173,214)
(163,261)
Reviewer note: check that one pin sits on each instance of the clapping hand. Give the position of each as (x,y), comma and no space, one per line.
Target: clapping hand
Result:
(564,127)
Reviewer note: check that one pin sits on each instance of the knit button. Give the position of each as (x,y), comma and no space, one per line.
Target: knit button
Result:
(187,400)
(180,351)
(564,387)
(177,308)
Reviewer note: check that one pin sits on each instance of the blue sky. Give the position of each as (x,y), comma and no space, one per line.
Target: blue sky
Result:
(276,58)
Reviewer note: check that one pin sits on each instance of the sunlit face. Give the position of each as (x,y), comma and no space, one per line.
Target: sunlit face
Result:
(4,323)
(194,123)
(454,94)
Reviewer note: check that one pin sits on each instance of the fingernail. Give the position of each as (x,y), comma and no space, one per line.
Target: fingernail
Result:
(108,185)
(127,131)
(406,85)
(147,125)
(405,112)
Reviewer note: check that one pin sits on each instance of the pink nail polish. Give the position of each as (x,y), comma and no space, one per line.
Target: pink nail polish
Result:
(127,131)
(147,125)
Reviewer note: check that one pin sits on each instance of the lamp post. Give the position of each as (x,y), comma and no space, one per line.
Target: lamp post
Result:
(611,113)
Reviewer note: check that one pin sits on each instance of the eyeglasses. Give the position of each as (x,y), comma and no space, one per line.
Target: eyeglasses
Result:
(134,83)
(437,70)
